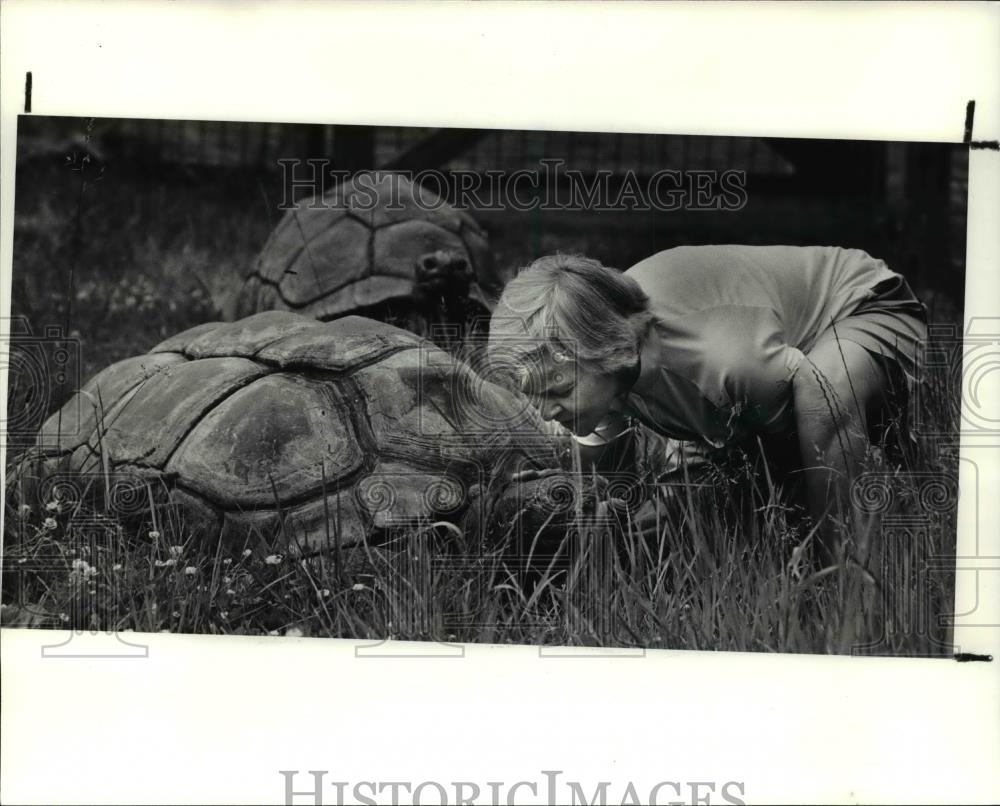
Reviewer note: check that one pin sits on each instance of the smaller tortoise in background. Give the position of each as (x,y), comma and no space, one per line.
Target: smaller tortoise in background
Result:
(376,246)
(291,433)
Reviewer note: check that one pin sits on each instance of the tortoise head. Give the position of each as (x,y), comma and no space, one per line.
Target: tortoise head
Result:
(444,273)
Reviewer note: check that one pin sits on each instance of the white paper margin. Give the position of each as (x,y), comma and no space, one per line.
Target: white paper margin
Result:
(213,720)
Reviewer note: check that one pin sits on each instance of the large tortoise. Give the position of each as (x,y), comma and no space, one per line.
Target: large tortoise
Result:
(280,428)
(376,246)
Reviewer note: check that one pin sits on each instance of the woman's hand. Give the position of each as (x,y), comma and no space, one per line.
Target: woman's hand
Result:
(533,474)
(594,488)
(647,519)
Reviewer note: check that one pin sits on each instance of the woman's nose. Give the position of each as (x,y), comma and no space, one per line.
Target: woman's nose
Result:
(550,410)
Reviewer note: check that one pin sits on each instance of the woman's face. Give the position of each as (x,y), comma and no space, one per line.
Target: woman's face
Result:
(565,392)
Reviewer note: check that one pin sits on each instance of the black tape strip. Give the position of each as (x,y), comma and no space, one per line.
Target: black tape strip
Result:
(970,114)
(27,93)
(966,657)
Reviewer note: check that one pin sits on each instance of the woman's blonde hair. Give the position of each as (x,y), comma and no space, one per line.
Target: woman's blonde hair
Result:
(575,307)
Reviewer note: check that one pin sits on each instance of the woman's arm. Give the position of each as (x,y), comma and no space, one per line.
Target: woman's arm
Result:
(834,389)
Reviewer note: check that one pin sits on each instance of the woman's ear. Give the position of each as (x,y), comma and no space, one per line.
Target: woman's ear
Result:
(627,377)
(641,323)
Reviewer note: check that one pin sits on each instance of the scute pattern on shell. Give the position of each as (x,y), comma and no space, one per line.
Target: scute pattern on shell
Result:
(282,425)
(356,246)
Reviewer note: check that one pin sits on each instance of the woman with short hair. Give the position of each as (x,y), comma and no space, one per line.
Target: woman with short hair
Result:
(718,344)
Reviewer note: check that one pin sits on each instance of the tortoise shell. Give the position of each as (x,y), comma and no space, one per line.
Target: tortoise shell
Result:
(374,240)
(278,424)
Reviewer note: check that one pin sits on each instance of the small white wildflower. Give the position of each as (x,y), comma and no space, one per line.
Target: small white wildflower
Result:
(325,592)
(227,580)
(176,551)
(247,552)
(165,563)
(53,506)
(175,614)
(49,523)
(273,559)
(63,617)
(294,632)
(190,570)
(116,567)
(224,614)
(230,592)
(154,535)
(24,510)
(357,586)
(273,632)
(227,561)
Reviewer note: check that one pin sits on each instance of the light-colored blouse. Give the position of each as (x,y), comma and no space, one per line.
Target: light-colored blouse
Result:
(732,324)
